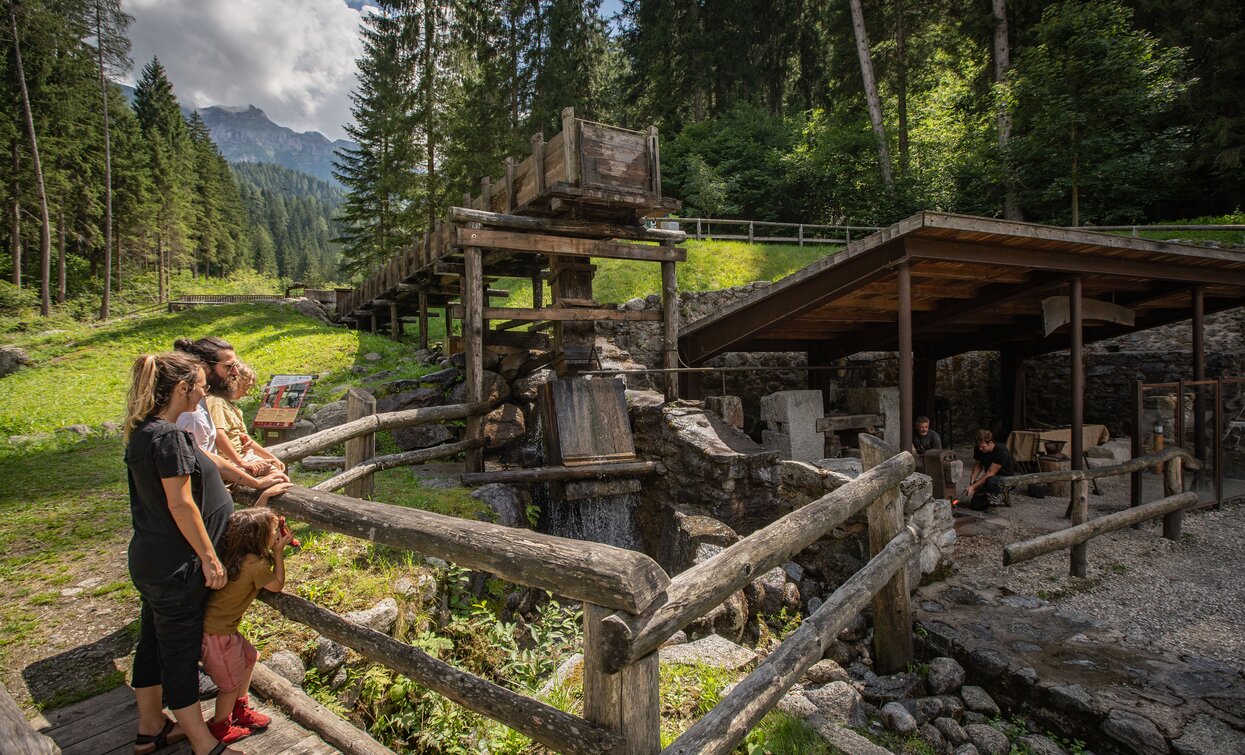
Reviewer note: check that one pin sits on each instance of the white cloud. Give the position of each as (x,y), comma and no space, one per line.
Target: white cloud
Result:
(294,59)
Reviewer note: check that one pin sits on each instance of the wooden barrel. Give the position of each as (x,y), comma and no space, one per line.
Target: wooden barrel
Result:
(1056,463)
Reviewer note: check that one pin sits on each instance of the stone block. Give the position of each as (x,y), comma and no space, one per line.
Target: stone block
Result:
(796,413)
(840,702)
(884,401)
(729,408)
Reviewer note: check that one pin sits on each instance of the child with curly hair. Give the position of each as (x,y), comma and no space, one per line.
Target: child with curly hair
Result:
(254,558)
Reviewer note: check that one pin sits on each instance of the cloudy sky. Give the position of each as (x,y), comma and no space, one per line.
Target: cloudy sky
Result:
(294,59)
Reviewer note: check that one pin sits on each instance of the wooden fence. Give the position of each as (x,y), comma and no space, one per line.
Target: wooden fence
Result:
(631,606)
(747,230)
(1171,507)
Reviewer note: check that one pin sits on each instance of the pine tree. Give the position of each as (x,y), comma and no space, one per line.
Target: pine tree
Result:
(167,139)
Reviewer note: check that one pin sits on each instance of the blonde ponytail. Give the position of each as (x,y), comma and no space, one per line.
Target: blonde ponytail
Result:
(153,378)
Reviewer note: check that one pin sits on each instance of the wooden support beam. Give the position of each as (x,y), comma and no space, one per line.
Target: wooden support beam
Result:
(300,448)
(561,732)
(1078,559)
(546,474)
(595,573)
(1025,550)
(836,422)
(557,226)
(1173,484)
(16,733)
(539,243)
(670,320)
(1093,473)
(569,314)
(395,324)
(473,346)
(903,291)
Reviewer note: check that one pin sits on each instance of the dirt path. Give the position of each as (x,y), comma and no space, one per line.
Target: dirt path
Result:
(1184,596)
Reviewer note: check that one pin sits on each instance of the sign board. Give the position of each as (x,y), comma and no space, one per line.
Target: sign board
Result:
(283,397)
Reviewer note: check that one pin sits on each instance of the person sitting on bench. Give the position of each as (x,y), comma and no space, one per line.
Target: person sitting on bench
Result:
(990,462)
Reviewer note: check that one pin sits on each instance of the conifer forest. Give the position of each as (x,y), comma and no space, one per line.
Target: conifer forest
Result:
(1081,112)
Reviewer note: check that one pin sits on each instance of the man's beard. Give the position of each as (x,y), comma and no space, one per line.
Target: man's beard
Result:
(214,381)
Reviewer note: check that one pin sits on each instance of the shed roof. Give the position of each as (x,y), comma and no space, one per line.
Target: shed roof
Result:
(977,284)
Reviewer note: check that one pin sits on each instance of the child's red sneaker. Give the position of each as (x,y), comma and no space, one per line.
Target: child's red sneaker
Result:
(225,731)
(245,715)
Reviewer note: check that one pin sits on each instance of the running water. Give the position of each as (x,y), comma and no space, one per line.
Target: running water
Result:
(606,519)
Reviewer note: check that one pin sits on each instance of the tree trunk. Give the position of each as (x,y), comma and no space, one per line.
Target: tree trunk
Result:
(901,86)
(119,279)
(1076,194)
(45,235)
(60,256)
(871,92)
(1002,62)
(160,264)
(106,300)
(17,219)
(429,97)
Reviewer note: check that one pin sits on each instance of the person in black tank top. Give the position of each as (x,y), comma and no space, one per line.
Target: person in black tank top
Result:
(179,506)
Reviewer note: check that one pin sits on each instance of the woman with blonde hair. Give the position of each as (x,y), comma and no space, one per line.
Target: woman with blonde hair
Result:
(180,508)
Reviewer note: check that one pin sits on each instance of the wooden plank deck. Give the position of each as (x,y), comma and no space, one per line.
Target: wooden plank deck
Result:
(106,725)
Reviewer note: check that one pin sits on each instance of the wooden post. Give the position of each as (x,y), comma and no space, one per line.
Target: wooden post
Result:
(423,320)
(373,317)
(570,146)
(509,185)
(1173,484)
(538,163)
(749,231)
(1198,296)
(1218,430)
(1080,489)
(1135,479)
(626,702)
(654,161)
(538,291)
(698,235)
(1078,565)
(904,294)
(359,404)
(449,325)
(473,346)
(892,609)
(670,327)
(800,233)
(395,325)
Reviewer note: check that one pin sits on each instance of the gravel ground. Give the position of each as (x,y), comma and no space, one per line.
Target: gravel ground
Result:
(1185,597)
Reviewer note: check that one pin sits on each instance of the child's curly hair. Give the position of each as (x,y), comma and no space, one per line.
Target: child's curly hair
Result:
(238,384)
(247,534)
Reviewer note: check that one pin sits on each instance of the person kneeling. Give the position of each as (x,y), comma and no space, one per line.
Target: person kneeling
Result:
(990,463)
(254,558)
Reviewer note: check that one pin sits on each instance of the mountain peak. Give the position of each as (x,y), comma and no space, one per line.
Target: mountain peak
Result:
(245,134)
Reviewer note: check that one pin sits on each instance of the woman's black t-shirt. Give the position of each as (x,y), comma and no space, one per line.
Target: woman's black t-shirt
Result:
(159,553)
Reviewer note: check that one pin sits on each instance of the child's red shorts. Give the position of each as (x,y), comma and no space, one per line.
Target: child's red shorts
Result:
(226,658)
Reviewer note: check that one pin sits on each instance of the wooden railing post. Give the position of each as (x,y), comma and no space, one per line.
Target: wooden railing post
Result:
(892,607)
(626,702)
(1173,483)
(359,404)
(1078,561)
(670,328)
(473,347)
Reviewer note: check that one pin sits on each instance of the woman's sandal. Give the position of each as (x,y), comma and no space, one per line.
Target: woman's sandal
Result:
(220,749)
(159,741)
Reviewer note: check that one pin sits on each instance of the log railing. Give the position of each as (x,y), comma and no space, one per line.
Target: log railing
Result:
(631,606)
(1171,507)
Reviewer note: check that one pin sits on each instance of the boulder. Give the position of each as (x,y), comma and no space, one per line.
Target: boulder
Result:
(504,426)
(945,675)
(329,657)
(442,378)
(422,589)
(965,749)
(495,389)
(885,689)
(11,359)
(287,665)
(725,620)
(766,593)
(422,436)
(897,718)
(301,429)
(382,617)
(329,415)
(930,735)
(840,702)
(635,305)
(412,398)
(714,651)
(951,731)
(978,700)
(988,740)
(924,709)
(81,431)
(1036,744)
(372,356)
(824,672)
(505,501)
(1136,733)
(568,668)
(525,388)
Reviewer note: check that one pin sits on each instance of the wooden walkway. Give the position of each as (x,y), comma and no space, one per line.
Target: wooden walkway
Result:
(106,725)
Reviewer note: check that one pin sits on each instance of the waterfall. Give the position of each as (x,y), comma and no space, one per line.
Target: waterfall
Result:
(605,519)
